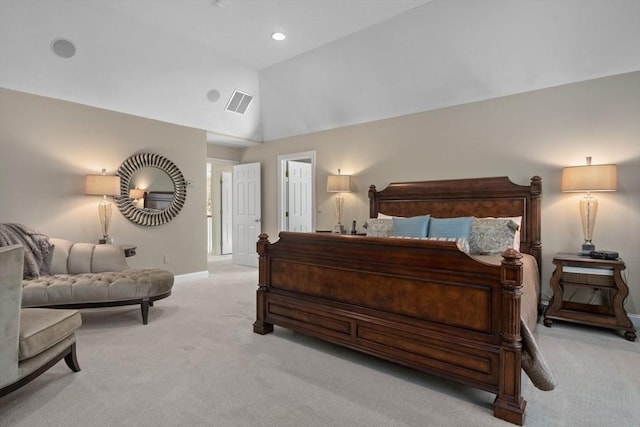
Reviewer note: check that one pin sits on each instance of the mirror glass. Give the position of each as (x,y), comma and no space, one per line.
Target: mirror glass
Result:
(154,183)
(151,179)
(152,189)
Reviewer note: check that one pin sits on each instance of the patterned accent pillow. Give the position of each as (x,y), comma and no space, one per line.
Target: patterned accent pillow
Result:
(450,227)
(380,227)
(411,227)
(491,236)
(517,220)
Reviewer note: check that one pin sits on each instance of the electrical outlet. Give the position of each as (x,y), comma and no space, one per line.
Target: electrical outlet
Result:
(166,259)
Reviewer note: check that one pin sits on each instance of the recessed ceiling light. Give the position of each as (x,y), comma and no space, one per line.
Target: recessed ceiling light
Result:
(63,48)
(278,36)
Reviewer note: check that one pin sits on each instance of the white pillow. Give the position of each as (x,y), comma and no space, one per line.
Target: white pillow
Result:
(516,238)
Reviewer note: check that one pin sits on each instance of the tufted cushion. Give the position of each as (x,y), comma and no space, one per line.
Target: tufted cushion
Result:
(107,258)
(96,287)
(76,258)
(61,248)
(80,256)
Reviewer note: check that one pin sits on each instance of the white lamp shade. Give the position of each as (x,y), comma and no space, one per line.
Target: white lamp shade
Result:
(589,178)
(102,185)
(136,194)
(339,184)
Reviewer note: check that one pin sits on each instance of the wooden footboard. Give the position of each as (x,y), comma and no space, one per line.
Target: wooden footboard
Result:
(423,304)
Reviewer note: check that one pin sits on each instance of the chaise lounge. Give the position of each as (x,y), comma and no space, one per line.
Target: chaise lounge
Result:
(87,275)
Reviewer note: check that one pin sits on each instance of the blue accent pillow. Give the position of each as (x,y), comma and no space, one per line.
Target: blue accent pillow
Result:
(415,226)
(459,227)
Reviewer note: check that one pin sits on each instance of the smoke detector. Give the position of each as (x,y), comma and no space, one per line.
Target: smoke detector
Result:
(213,95)
(63,48)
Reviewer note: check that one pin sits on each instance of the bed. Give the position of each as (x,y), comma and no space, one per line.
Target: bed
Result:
(158,200)
(426,304)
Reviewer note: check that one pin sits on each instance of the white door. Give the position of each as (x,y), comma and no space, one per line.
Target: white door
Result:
(299,196)
(226,223)
(246,213)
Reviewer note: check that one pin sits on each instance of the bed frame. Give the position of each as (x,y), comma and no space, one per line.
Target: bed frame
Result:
(158,199)
(422,304)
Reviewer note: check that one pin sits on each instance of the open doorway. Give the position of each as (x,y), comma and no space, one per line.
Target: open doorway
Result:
(296,191)
(219,207)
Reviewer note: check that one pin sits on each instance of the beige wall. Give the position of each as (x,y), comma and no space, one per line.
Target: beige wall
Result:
(535,133)
(47,146)
(224,152)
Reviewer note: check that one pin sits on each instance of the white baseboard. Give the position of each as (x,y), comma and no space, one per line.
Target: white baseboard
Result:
(635,319)
(191,276)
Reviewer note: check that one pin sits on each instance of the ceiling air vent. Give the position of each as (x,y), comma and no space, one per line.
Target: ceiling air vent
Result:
(239,102)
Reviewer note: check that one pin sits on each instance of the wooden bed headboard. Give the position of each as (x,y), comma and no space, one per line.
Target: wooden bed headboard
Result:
(479,197)
(158,199)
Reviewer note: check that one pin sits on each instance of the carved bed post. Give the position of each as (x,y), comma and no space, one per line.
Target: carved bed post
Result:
(535,223)
(373,203)
(260,326)
(509,404)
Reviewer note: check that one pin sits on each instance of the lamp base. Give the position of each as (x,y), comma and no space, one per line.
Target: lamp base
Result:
(105,241)
(338,229)
(587,248)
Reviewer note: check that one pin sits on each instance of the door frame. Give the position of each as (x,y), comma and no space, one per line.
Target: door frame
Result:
(282,186)
(216,206)
(226,221)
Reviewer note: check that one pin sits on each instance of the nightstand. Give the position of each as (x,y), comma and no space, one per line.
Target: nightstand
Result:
(129,250)
(581,271)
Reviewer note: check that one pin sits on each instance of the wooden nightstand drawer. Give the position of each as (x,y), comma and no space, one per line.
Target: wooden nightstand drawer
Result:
(597,281)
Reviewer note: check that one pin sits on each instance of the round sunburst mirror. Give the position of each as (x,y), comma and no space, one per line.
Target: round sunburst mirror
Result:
(164,189)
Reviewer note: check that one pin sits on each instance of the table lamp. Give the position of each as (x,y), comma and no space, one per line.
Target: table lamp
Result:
(588,179)
(339,184)
(103,185)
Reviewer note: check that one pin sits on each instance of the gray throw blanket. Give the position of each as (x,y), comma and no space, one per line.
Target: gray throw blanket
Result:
(534,363)
(38,251)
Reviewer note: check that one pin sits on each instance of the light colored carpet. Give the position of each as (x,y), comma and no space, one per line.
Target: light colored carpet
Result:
(198,363)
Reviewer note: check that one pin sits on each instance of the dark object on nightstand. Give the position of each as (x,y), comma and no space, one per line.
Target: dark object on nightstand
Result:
(129,250)
(603,254)
(353,228)
(603,274)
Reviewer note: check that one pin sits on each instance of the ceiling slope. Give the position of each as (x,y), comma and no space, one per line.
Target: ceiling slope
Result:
(345,61)
(448,53)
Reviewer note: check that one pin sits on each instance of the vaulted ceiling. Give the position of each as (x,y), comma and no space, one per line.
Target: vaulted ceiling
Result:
(343,61)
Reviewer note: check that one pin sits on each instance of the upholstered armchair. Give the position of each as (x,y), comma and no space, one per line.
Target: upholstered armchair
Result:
(32,339)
